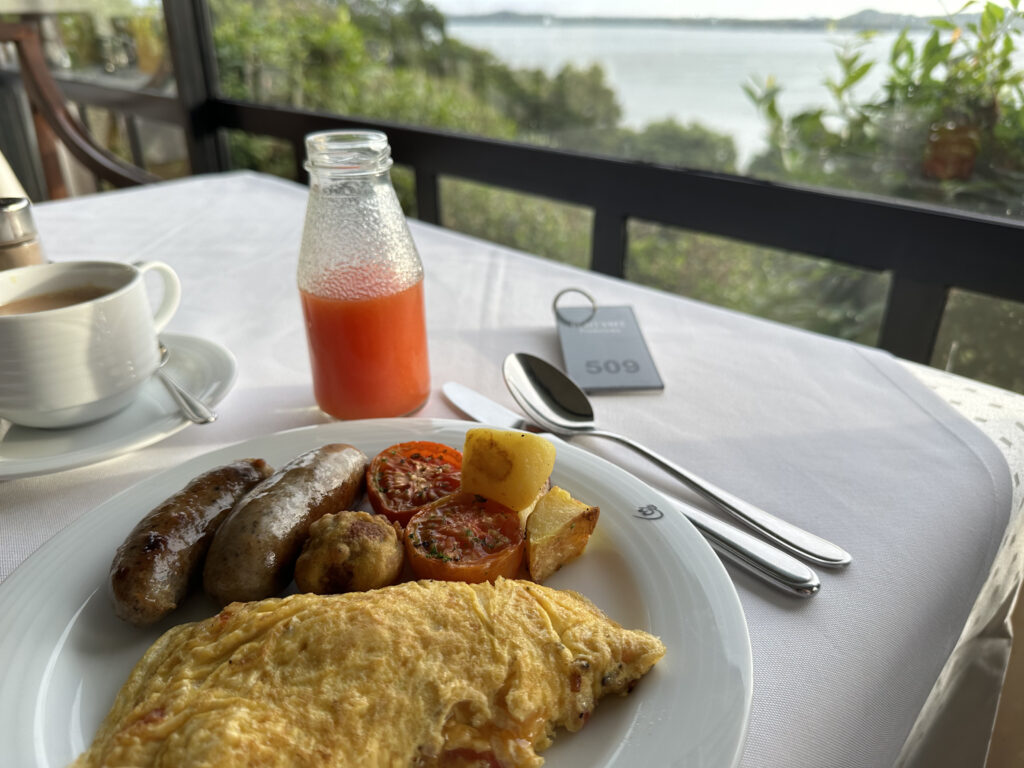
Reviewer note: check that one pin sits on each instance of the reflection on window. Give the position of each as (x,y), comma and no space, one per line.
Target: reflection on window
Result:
(109,129)
(809,293)
(982,338)
(155,146)
(943,124)
(114,45)
(162,148)
(122,45)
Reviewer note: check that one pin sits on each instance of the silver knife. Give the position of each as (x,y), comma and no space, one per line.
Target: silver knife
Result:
(737,546)
(483,409)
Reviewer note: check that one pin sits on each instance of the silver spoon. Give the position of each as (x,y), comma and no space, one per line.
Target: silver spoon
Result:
(189,404)
(555,402)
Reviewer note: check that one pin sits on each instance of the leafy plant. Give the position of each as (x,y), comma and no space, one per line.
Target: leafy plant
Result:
(957,96)
(965,77)
(822,145)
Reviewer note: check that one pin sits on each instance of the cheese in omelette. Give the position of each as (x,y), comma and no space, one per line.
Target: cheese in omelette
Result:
(424,674)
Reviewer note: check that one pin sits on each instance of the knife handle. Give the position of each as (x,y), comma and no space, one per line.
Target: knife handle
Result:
(752,554)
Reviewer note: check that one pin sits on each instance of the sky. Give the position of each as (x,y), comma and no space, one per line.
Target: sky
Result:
(748,9)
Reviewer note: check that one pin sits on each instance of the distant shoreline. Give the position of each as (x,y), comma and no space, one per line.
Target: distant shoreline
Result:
(865,20)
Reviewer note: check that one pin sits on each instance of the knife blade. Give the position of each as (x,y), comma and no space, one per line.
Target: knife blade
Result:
(750,553)
(483,409)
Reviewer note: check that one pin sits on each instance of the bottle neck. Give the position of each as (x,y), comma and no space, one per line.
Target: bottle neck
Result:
(348,153)
(328,175)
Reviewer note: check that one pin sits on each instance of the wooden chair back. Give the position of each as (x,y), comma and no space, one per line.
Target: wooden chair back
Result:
(53,120)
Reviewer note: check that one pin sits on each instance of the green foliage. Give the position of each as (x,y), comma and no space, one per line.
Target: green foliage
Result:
(80,40)
(412,96)
(691,146)
(813,294)
(982,338)
(666,142)
(402,33)
(835,145)
(287,52)
(546,228)
(574,98)
(965,77)
(266,153)
(393,59)
(947,127)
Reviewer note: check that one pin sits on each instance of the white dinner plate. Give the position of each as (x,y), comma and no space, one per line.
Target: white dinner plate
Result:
(204,368)
(65,655)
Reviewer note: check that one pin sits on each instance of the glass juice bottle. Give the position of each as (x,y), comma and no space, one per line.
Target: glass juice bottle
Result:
(361,282)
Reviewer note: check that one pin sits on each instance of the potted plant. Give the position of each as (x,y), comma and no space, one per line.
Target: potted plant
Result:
(959,85)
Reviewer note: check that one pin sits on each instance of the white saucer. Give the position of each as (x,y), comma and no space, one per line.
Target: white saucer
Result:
(203,367)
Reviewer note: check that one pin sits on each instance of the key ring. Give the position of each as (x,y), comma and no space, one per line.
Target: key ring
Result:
(562,318)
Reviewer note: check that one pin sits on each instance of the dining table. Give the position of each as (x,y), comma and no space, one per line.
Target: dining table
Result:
(898,659)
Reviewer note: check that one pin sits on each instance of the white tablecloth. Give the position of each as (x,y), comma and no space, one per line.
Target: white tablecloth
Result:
(899,659)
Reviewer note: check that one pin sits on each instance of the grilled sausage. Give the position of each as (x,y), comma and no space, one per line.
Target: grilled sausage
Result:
(154,567)
(254,552)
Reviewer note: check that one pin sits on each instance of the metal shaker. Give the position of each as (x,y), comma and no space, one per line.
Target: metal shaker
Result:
(19,239)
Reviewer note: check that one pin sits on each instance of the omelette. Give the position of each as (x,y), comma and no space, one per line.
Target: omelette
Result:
(419,675)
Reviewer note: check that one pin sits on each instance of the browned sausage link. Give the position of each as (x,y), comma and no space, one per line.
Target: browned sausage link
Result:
(153,568)
(254,552)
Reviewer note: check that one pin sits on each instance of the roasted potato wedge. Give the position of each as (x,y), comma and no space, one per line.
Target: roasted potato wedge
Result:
(557,531)
(525,512)
(510,468)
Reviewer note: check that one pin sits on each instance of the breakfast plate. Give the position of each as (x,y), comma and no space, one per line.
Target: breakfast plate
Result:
(204,368)
(66,654)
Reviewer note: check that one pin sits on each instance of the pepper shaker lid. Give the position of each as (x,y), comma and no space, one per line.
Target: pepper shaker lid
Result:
(16,223)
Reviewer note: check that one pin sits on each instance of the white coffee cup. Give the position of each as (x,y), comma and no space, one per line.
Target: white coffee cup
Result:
(84,361)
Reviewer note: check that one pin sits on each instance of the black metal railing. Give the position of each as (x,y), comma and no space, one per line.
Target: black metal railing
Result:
(927,250)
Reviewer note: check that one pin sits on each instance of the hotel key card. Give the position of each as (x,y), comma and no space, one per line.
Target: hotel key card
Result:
(604,350)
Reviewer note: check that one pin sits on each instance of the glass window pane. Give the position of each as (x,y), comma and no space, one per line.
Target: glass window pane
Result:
(121,46)
(930,110)
(158,147)
(533,224)
(108,128)
(403,179)
(262,153)
(164,149)
(982,338)
(809,293)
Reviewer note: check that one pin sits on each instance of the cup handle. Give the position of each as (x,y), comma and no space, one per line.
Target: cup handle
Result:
(172,291)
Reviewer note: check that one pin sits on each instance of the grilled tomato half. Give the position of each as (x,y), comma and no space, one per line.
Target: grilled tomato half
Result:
(464,537)
(404,478)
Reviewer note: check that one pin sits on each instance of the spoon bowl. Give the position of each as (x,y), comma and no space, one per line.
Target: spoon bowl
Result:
(557,404)
(548,395)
